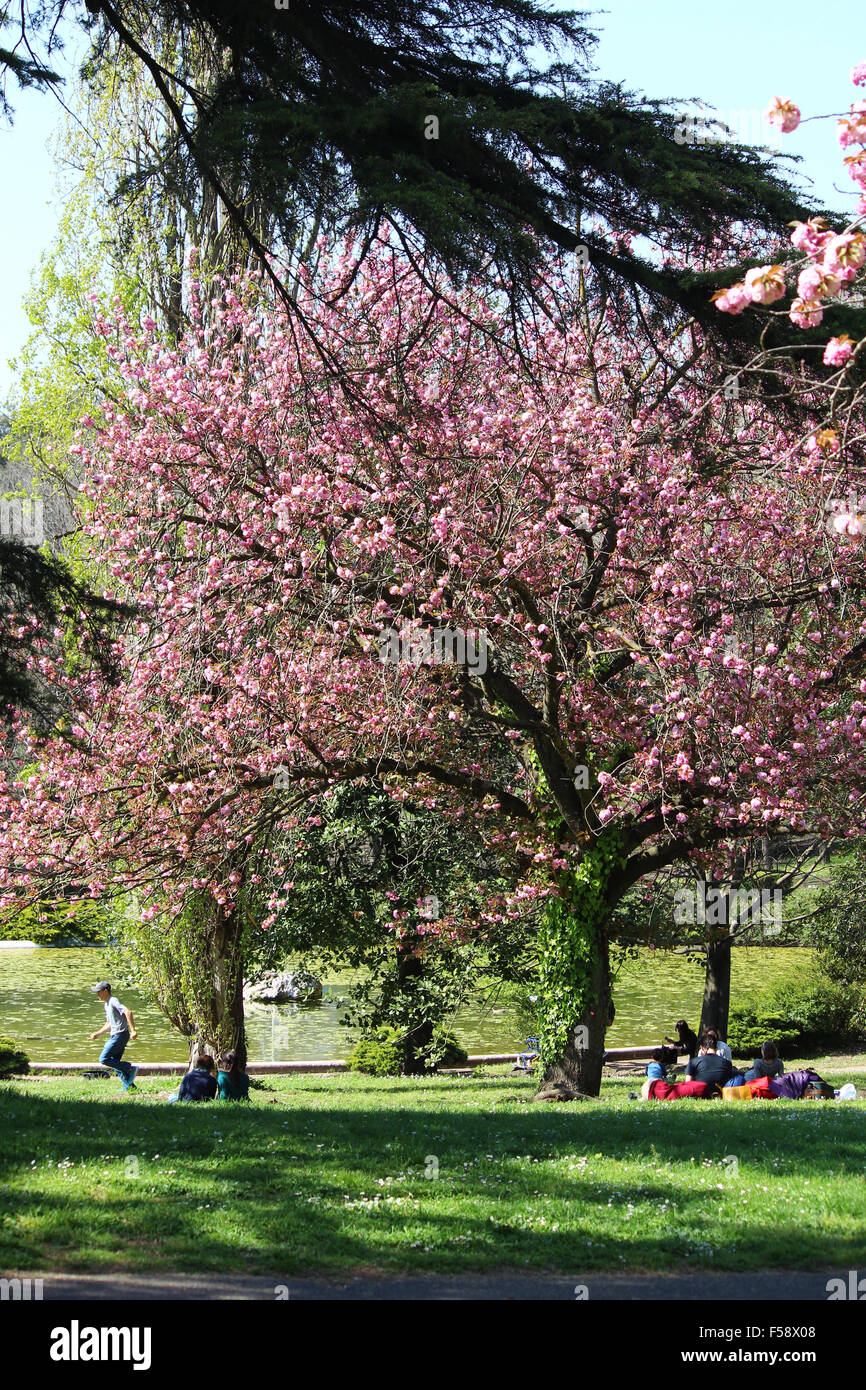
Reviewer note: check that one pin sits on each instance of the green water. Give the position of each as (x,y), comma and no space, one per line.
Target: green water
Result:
(46,1005)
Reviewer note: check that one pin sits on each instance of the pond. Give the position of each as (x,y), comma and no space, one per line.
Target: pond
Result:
(46,1006)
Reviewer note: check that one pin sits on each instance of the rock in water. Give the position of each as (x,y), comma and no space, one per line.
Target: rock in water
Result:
(284,987)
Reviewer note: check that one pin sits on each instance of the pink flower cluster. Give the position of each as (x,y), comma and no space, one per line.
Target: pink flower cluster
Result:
(833,259)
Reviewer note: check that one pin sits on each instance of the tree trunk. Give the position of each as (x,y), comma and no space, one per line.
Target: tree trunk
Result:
(409,970)
(220,1023)
(578,1065)
(717,988)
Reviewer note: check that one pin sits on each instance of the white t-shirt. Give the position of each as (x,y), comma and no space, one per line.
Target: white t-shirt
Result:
(115,1016)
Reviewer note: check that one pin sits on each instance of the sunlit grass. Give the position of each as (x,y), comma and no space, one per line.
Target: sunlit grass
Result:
(335,1172)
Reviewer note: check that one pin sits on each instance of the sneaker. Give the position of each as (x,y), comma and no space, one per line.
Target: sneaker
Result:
(129,1084)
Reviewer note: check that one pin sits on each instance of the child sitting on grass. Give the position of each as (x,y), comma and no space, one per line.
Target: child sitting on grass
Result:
(233,1083)
(656,1069)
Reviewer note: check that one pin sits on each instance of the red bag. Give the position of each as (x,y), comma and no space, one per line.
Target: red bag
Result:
(760,1088)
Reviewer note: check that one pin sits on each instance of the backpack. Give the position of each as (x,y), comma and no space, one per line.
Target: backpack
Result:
(818,1089)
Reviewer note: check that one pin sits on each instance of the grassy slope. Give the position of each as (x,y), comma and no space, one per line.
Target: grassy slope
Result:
(329,1173)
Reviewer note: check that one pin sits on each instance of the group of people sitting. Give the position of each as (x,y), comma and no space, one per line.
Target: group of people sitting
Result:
(710,1072)
(208,1080)
(710,1067)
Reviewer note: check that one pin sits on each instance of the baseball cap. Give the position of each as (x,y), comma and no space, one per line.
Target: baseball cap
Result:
(104,985)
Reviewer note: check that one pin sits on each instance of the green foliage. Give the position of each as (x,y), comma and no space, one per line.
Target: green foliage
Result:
(174,964)
(839,930)
(800,1015)
(446,1051)
(569,943)
(59,924)
(13,1059)
(362,857)
(751,1026)
(380,1053)
(827,1014)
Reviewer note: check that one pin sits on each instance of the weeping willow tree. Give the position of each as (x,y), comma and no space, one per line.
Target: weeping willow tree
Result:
(192,967)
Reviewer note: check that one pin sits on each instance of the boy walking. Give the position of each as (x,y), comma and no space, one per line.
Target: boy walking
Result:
(120,1024)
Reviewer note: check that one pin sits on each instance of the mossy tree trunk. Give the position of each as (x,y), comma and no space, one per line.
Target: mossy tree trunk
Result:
(575,973)
(416,1043)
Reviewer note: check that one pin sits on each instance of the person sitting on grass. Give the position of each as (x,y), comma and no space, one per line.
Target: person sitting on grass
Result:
(233,1083)
(709,1065)
(768,1064)
(198,1084)
(656,1069)
(686,1040)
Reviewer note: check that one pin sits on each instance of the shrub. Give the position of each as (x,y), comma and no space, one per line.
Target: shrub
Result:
(445,1051)
(58,924)
(12,1059)
(825,1014)
(379,1053)
(799,1016)
(749,1027)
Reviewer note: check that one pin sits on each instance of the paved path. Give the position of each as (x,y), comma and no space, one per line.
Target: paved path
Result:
(702,1286)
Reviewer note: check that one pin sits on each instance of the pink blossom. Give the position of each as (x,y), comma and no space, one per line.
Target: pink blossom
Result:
(850,524)
(732,300)
(810,236)
(806,313)
(766,284)
(838,350)
(846,252)
(858,75)
(857,167)
(783,113)
(815,282)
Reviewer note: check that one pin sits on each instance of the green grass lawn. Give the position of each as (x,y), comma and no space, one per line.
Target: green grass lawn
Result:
(347,1172)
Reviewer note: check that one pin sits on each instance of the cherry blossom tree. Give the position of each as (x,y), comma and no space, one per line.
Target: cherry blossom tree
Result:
(655,645)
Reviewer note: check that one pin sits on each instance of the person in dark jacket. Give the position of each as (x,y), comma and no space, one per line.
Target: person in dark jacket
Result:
(709,1065)
(686,1040)
(198,1084)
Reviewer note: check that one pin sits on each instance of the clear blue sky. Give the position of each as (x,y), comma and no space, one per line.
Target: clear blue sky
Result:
(734,55)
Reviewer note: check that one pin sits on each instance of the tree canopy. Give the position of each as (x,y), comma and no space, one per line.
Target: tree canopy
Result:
(478,132)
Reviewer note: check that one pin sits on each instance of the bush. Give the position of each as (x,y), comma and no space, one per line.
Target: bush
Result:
(13,1060)
(749,1027)
(799,1016)
(58,924)
(445,1051)
(379,1053)
(825,1014)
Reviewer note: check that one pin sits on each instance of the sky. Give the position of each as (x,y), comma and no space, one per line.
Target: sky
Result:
(734,55)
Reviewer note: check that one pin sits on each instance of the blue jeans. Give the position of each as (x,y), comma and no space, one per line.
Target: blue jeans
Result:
(113,1052)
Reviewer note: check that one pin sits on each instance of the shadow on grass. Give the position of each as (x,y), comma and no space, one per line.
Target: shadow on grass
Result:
(304,1187)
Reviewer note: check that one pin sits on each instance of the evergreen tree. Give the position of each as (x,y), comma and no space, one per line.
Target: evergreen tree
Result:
(443,122)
